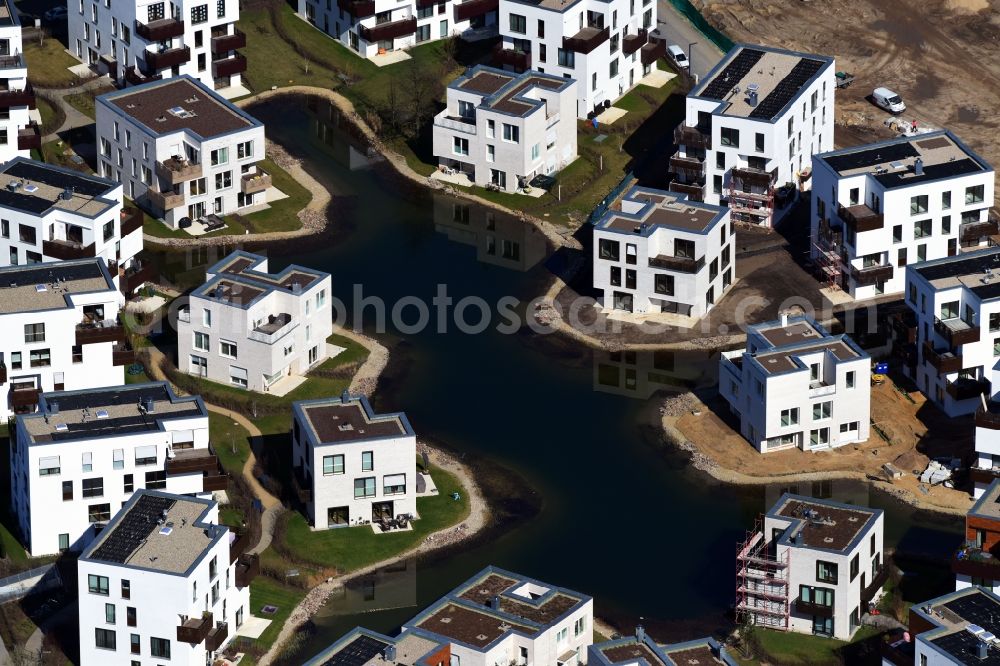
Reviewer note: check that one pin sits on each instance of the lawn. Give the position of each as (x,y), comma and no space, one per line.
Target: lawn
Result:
(282,215)
(15,626)
(231,442)
(52,116)
(265,591)
(84,101)
(274,62)
(351,548)
(48,64)
(54,152)
(791,649)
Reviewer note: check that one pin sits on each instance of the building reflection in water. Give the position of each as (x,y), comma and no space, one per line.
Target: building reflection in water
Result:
(500,239)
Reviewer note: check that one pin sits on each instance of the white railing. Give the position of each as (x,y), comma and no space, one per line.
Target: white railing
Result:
(271,338)
(442,120)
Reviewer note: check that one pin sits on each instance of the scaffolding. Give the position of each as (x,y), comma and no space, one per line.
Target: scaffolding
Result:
(751,196)
(762,594)
(828,246)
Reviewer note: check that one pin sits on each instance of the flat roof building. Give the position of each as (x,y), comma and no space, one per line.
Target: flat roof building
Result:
(640,648)
(20,134)
(976,562)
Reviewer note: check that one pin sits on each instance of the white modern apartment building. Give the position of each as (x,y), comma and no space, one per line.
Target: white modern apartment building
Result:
(373,27)
(252,328)
(879,207)
(976,562)
(503,129)
(640,649)
(18,134)
(604,45)
(77,460)
(181,150)
(956,301)
(48,213)
(811,566)
(164,582)
(752,126)
(60,331)
(353,466)
(138,41)
(795,385)
(656,251)
(495,617)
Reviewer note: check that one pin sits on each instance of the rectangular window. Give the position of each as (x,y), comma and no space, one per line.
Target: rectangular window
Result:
(945,200)
(223,180)
(135,644)
(921,228)
(663,284)
(333,465)
(975,194)
(566,58)
(145,455)
(460,146)
(48,466)
(227,348)
(364,487)
(855,565)
(995,321)
(99,513)
(199,14)
(128,485)
(367,461)
(918,204)
(118,459)
(130,616)
(34,333)
(849,378)
(730,136)
(15,360)
(93,487)
(159,647)
(98,585)
(819,437)
(826,572)
(105,639)
(109,613)
(394,484)
(608,249)
(790,416)
(40,358)
(126,589)
(821,410)
(518,24)
(244,150)
(87,462)
(511,133)
(67,491)
(201,341)
(156,480)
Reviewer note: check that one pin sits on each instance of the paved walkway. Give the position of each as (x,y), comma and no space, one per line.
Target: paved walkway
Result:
(74,118)
(33,646)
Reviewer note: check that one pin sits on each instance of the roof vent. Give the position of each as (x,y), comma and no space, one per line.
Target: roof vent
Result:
(345,397)
(66,194)
(13,185)
(752,89)
(161,119)
(389,653)
(192,99)
(344,427)
(53,407)
(62,427)
(149,405)
(445,620)
(918,167)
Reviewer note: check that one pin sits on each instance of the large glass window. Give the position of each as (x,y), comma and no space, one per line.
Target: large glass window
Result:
(609,249)
(159,647)
(790,416)
(97,585)
(367,461)
(975,194)
(105,639)
(93,487)
(34,333)
(518,24)
(918,204)
(730,136)
(99,513)
(826,572)
(364,487)
(333,465)
(199,14)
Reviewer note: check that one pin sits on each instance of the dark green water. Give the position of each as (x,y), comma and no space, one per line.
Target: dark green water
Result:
(623,518)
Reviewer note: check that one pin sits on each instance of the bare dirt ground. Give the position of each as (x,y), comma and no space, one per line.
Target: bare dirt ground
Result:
(942,56)
(719,449)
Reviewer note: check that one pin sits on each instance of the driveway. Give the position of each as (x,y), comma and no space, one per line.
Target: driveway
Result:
(678,30)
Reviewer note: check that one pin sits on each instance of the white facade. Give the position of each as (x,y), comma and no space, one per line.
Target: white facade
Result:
(175,595)
(250,328)
(814,567)
(355,466)
(79,459)
(957,306)
(655,251)
(752,126)
(795,385)
(141,40)
(48,213)
(18,134)
(371,27)
(181,150)
(504,129)
(880,207)
(601,44)
(60,331)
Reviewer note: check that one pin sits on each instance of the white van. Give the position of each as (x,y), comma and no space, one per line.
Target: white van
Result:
(677,53)
(888,100)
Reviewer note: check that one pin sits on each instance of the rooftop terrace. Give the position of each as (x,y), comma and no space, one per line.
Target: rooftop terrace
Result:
(787,340)
(37,188)
(978,272)
(237,279)
(37,287)
(642,210)
(349,419)
(820,524)
(366,648)
(509,92)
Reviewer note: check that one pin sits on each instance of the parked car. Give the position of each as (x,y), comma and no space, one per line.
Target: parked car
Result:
(678,55)
(55,14)
(888,100)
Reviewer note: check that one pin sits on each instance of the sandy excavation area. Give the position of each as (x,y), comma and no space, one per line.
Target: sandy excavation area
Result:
(942,56)
(712,436)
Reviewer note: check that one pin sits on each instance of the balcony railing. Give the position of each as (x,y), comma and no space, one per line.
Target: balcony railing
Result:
(136,276)
(988,417)
(944,362)
(516,59)
(160,30)
(875,585)
(973,231)
(178,170)
(976,563)
(194,630)
(633,43)
(809,608)
(956,331)
(230,66)
(134,77)
(122,355)
(217,636)
(983,476)
(226,43)
(30,137)
(131,220)
(252,183)
(687,164)
(107,331)
(275,328)
(247,568)
(860,217)
(388,30)
(693,191)
(359,9)
(466,125)
(24,397)
(26,97)
(15,61)
(62,249)
(695,137)
(188,461)
(157,60)
(653,51)
(239,546)
(213,482)
(872,274)
(754,176)
(586,40)
(164,200)
(965,388)
(677,264)
(472,8)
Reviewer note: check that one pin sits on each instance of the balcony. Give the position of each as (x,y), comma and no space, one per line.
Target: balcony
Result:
(653,51)
(586,40)
(872,274)
(61,249)
(809,608)
(238,546)
(10,98)
(177,170)
(976,563)
(217,636)
(30,137)
(97,332)
(753,176)
(689,165)
(160,30)
(465,125)
(164,200)
(302,486)
(194,630)
(188,461)
(157,60)
(131,220)
(875,585)
(276,327)
(515,59)
(633,43)
(944,362)
(230,66)
(860,217)
(226,43)
(134,77)
(966,388)
(122,355)
(988,417)
(693,191)
(677,264)
(136,276)
(12,62)
(693,137)
(388,30)
(973,231)
(24,397)
(956,331)
(252,183)
(247,568)
(213,482)
(472,8)
(359,9)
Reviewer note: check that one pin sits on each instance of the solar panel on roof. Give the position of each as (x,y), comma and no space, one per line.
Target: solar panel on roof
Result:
(120,395)
(787,89)
(48,273)
(732,74)
(132,529)
(964,647)
(357,652)
(859,159)
(931,172)
(24,202)
(42,174)
(978,609)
